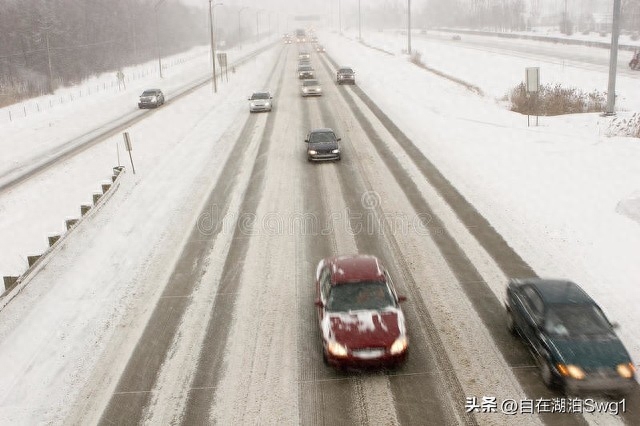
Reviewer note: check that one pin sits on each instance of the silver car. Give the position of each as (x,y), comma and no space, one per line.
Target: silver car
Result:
(306,71)
(311,88)
(260,101)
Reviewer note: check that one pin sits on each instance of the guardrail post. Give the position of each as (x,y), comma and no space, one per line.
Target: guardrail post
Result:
(31,260)
(9,281)
(53,239)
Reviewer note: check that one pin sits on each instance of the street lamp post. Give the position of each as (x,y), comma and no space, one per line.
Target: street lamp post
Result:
(213,43)
(359,22)
(155,10)
(339,17)
(409,27)
(258,22)
(240,25)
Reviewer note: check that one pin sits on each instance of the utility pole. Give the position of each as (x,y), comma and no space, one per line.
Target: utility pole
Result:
(613,59)
(339,17)
(155,9)
(409,27)
(49,63)
(213,44)
(359,22)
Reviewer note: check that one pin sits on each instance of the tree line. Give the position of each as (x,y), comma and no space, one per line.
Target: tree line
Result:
(45,44)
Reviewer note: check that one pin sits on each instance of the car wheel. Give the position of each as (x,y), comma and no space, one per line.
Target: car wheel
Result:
(545,371)
(511,324)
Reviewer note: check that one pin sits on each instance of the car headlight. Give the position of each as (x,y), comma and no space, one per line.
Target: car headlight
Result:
(572,371)
(626,370)
(312,152)
(400,345)
(267,104)
(253,104)
(335,151)
(153,99)
(305,90)
(336,349)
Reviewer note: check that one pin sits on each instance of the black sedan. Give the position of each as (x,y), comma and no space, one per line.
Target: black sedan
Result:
(574,343)
(151,98)
(322,145)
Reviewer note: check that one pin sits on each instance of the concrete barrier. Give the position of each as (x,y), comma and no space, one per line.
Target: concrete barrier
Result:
(53,239)
(105,187)
(70,223)
(84,209)
(9,282)
(96,197)
(31,260)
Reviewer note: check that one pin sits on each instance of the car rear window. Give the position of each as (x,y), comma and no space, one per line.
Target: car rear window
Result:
(149,93)
(310,83)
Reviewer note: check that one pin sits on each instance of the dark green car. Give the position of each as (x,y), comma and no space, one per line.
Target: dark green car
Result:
(574,343)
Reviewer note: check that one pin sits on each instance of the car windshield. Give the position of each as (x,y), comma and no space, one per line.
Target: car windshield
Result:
(306,68)
(366,295)
(316,137)
(260,96)
(148,93)
(576,320)
(346,70)
(310,83)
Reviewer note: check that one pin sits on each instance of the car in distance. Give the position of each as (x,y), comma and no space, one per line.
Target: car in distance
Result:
(346,75)
(573,342)
(151,98)
(322,145)
(260,101)
(304,55)
(320,48)
(361,322)
(306,71)
(311,87)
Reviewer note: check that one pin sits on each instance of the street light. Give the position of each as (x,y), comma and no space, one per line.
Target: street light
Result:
(213,43)
(258,22)
(155,10)
(359,22)
(409,27)
(240,25)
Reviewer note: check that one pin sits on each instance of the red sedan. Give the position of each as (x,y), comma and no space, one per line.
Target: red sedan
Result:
(360,319)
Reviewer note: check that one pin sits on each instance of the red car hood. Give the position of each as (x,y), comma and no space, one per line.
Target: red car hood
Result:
(364,329)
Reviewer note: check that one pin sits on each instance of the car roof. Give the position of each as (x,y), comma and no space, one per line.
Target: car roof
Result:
(355,268)
(558,291)
(260,93)
(152,90)
(322,130)
(345,69)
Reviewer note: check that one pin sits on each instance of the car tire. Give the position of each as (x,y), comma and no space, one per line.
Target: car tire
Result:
(511,324)
(545,372)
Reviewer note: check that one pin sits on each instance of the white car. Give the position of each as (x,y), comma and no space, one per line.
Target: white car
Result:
(311,87)
(260,101)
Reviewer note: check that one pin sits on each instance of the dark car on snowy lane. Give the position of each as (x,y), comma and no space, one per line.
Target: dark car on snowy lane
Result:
(151,98)
(573,342)
(359,314)
(323,145)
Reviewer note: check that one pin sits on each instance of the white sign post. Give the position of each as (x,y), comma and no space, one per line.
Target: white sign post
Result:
(532,84)
(127,144)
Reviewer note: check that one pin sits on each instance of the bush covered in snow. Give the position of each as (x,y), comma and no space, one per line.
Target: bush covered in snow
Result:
(625,126)
(555,100)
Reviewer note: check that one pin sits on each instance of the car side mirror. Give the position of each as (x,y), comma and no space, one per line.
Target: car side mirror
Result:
(306,140)
(339,139)
(402,299)
(615,325)
(318,303)
(248,99)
